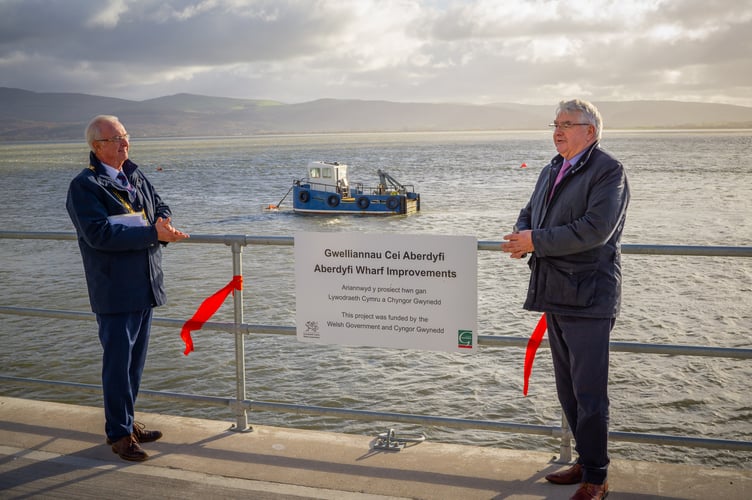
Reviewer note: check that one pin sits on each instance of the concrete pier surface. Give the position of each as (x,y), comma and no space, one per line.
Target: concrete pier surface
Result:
(54,450)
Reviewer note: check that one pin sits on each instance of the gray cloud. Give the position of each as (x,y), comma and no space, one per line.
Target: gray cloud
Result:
(535,51)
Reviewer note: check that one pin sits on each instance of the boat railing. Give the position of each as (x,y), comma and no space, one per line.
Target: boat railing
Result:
(318,186)
(241,405)
(388,190)
(355,189)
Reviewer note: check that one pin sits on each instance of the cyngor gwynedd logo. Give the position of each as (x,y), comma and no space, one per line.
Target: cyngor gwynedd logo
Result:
(465,339)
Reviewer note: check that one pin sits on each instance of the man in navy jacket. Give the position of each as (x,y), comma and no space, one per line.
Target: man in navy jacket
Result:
(572,229)
(121,224)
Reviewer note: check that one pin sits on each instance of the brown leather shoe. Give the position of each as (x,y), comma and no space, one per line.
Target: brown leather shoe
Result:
(127,448)
(573,475)
(590,491)
(142,435)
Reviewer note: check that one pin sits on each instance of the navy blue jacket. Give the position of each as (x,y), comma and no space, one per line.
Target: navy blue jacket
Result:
(122,264)
(576,265)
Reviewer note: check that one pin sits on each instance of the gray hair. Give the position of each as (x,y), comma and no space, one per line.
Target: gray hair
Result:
(588,110)
(93,129)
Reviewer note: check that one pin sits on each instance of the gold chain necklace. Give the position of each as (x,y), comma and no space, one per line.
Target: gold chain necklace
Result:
(119,196)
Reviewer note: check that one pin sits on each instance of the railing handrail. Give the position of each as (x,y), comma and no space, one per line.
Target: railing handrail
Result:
(241,405)
(244,240)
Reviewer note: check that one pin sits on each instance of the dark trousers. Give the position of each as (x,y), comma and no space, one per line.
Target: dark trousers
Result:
(580,351)
(125,340)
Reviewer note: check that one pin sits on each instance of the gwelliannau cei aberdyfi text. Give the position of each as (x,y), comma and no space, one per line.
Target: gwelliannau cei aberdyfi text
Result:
(369,270)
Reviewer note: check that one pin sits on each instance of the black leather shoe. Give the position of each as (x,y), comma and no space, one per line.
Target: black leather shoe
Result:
(142,435)
(127,448)
(573,475)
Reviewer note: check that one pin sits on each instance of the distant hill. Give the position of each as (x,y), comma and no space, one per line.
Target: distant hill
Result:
(26,115)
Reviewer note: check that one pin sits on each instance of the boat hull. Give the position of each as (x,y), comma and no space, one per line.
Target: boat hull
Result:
(307,200)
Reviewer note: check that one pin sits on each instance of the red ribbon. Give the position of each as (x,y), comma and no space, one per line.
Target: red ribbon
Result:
(206,310)
(532,346)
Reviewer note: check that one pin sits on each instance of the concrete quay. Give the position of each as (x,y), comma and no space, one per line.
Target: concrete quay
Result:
(53,450)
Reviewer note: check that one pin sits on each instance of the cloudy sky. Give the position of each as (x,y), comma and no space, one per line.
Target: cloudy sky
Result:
(475,51)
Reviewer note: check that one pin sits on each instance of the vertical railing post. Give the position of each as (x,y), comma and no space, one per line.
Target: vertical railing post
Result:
(241,415)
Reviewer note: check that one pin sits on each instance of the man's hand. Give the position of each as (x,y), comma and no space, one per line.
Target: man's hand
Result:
(519,244)
(167,233)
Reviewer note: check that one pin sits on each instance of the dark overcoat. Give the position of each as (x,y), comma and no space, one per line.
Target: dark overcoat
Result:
(122,264)
(576,265)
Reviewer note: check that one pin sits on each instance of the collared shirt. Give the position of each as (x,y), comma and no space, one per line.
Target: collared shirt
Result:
(112,171)
(565,166)
(573,161)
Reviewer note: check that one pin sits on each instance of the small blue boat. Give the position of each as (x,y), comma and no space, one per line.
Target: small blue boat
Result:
(326,190)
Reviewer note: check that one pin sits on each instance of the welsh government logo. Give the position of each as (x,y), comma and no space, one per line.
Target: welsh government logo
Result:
(311,330)
(465,339)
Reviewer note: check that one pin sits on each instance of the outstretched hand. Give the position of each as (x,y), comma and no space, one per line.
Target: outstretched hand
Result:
(167,233)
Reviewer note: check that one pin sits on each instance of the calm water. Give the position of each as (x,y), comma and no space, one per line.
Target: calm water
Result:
(687,189)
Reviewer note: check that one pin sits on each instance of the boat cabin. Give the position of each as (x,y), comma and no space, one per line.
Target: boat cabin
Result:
(331,174)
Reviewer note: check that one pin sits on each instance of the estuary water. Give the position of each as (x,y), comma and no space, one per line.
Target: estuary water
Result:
(688,188)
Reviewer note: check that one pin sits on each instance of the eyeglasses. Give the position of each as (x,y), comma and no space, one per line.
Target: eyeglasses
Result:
(117,138)
(565,125)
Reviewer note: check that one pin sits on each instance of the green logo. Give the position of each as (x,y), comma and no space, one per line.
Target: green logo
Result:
(465,339)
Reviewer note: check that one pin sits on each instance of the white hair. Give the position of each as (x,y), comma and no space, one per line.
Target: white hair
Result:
(588,110)
(93,129)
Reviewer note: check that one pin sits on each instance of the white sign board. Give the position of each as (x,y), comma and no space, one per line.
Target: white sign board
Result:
(387,290)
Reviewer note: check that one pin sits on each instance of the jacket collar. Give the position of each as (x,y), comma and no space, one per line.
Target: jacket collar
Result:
(558,160)
(128,167)
(104,179)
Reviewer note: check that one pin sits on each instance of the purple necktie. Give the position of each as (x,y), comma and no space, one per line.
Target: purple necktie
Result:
(562,171)
(124,181)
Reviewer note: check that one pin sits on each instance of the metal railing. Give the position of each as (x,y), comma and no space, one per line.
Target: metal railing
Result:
(241,405)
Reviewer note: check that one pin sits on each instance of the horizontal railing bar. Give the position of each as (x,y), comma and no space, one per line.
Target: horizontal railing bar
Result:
(407,418)
(166,322)
(47,313)
(684,250)
(59,383)
(691,250)
(209,400)
(226,239)
(316,410)
(194,398)
(633,347)
(371,415)
(684,441)
(682,350)
(516,428)
(241,239)
(48,235)
(244,240)
(487,340)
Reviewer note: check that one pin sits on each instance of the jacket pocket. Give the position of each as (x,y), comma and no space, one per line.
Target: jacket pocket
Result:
(570,286)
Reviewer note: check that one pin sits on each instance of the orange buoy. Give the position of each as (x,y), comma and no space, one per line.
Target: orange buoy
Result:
(524,165)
